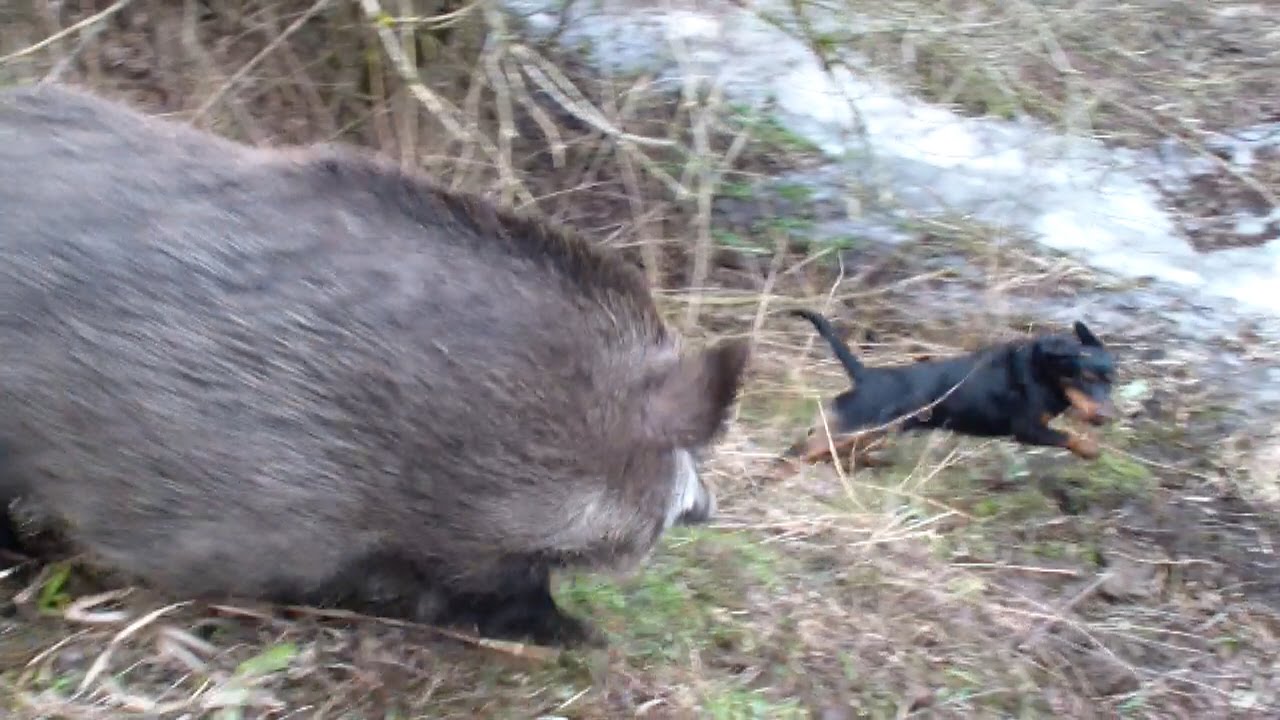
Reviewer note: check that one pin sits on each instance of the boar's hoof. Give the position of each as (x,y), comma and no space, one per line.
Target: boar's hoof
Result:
(528,615)
(543,625)
(9,541)
(8,535)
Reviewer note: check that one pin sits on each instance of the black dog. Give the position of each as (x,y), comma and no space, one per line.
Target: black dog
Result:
(1009,390)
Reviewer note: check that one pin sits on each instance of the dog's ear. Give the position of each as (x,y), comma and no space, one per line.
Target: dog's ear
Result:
(1087,338)
(1055,347)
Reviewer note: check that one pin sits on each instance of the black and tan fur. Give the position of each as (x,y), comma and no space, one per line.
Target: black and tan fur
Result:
(1007,390)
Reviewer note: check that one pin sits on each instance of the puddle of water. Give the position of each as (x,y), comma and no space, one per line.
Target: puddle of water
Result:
(1071,194)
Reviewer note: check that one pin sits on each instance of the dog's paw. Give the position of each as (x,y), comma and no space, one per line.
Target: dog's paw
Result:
(1084,447)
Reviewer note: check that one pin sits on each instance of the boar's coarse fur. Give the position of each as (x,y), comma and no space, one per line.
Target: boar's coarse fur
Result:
(307,376)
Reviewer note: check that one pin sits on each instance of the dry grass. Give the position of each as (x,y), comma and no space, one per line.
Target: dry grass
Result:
(970,579)
(1133,74)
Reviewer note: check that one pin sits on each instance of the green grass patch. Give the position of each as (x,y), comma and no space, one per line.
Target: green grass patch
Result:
(794,192)
(1013,506)
(737,190)
(770,134)
(730,239)
(274,659)
(1110,479)
(842,242)
(684,597)
(793,227)
(788,410)
(1081,552)
(739,704)
(53,594)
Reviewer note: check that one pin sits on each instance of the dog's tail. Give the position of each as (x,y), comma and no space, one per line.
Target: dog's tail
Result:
(828,333)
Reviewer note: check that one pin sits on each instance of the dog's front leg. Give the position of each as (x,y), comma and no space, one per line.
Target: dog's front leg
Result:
(1032,433)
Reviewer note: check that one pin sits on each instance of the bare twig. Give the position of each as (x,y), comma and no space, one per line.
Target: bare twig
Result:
(100,663)
(440,108)
(491,59)
(97,17)
(244,69)
(517,649)
(408,133)
(191,41)
(553,81)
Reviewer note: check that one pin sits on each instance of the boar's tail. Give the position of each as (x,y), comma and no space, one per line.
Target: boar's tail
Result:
(828,333)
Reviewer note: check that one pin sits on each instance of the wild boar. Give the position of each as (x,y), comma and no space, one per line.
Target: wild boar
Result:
(305,375)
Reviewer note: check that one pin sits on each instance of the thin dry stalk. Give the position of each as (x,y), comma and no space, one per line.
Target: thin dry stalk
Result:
(191,41)
(92,20)
(104,658)
(244,69)
(440,108)
(408,115)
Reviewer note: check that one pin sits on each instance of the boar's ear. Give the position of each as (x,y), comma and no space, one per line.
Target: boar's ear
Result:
(690,399)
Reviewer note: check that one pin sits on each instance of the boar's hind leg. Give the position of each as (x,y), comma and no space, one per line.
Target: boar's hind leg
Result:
(8,532)
(381,585)
(512,602)
(521,607)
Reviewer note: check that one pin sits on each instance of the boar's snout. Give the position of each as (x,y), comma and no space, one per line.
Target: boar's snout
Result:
(692,502)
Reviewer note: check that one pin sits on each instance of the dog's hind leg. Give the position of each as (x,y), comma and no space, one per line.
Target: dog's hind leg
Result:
(860,446)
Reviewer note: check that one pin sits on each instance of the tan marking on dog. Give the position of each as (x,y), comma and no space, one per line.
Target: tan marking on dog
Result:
(1083,446)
